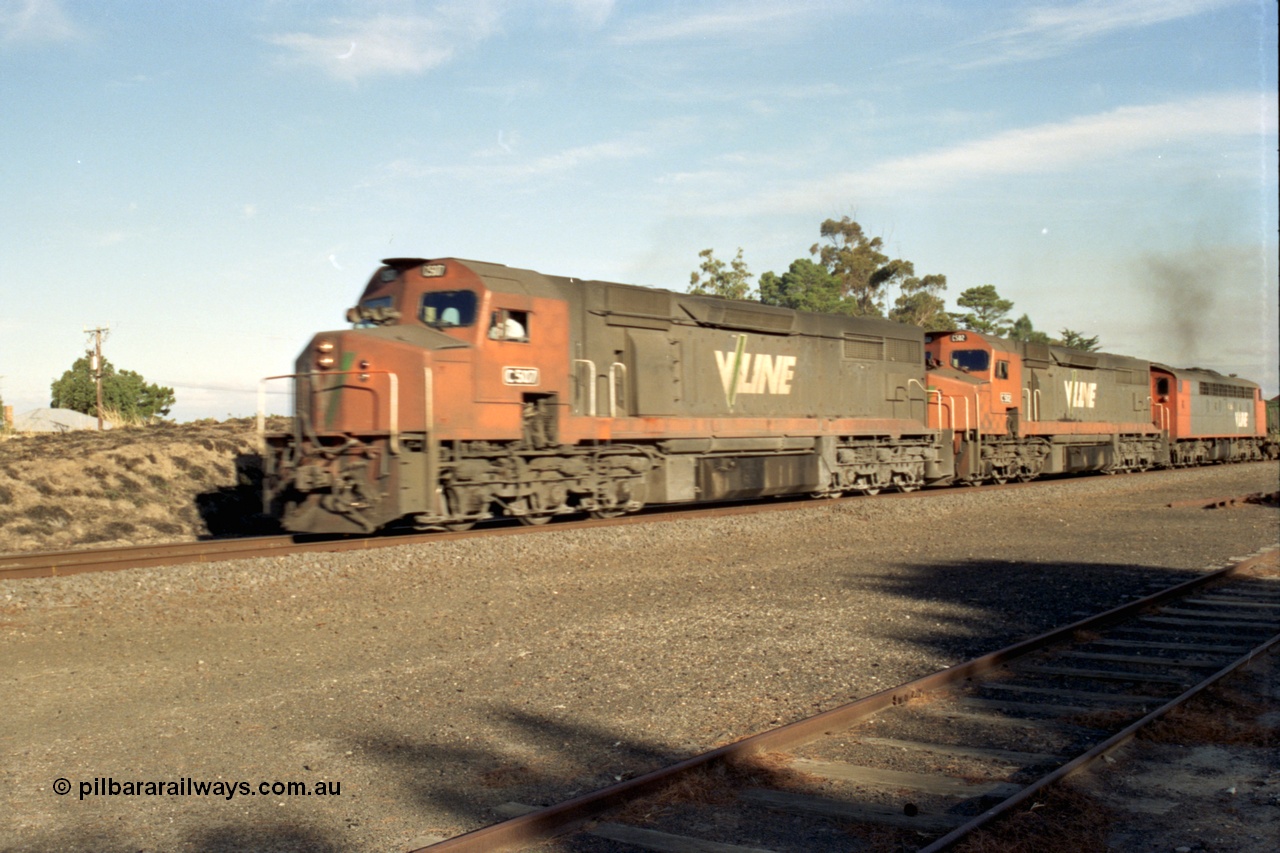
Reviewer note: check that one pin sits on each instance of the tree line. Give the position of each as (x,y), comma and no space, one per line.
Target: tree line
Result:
(126,396)
(847,272)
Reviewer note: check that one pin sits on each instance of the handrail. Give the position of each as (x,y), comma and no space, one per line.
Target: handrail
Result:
(1164,414)
(429,427)
(977,421)
(949,405)
(1035,397)
(913,381)
(393,428)
(613,387)
(591,385)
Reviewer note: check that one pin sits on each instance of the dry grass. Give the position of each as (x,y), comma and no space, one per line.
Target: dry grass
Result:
(126,486)
(119,420)
(1224,715)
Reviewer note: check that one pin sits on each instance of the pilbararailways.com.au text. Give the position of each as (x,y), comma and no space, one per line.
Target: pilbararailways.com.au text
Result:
(187,787)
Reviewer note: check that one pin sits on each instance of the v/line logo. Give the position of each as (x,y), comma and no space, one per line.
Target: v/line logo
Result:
(742,372)
(1081,395)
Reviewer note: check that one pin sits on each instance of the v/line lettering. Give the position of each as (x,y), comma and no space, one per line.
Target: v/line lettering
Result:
(1081,395)
(755,373)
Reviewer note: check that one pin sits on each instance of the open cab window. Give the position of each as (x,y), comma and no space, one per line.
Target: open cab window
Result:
(508,325)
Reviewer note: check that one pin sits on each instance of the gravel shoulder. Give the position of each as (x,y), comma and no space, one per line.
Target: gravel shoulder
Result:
(434,682)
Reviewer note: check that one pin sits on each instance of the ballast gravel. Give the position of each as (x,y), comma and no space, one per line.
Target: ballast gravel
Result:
(426,684)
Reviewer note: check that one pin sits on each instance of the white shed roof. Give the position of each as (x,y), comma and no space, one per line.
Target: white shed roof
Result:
(55,420)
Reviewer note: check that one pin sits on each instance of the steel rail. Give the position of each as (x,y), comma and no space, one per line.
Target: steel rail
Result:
(73,562)
(46,564)
(518,832)
(1098,751)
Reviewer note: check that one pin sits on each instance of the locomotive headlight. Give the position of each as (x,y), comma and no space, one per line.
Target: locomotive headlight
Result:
(324,354)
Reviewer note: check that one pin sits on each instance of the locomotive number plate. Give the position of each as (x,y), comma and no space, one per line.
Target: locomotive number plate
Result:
(959,338)
(519,376)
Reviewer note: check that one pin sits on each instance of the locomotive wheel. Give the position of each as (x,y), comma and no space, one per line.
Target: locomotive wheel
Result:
(904,483)
(458,526)
(533,510)
(606,513)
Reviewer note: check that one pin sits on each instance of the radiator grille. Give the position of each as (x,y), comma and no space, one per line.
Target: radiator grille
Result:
(903,351)
(1222,389)
(864,347)
(748,319)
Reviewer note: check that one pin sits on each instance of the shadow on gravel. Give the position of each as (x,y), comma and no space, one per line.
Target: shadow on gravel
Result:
(550,765)
(279,837)
(958,610)
(976,606)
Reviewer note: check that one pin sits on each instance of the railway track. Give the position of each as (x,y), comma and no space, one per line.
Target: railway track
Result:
(78,561)
(935,758)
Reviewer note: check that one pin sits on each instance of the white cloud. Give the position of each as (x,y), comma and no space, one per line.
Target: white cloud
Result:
(391,44)
(592,12)
(1096,139)
(1050,30)
(1053,147)
(730,20)
(35,21)
(515,168)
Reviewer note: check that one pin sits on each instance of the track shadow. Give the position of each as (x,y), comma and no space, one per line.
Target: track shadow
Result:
(975,606)
(276,836)
(555,760)
(981,606)
(960,609)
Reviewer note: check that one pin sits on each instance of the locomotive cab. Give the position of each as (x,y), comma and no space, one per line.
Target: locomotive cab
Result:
(982,377)
(433,351)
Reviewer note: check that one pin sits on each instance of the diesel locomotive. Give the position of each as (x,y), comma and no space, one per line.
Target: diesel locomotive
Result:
(466,390)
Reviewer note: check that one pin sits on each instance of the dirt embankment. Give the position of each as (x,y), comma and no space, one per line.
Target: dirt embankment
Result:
(128,486)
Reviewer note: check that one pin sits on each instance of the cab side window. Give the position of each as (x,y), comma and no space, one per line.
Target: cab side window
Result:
(1002,370)
(506,325)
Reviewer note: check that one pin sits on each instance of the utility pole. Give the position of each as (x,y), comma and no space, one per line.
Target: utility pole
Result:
(95,364)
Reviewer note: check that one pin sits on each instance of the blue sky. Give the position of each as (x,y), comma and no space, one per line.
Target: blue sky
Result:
(216,181)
